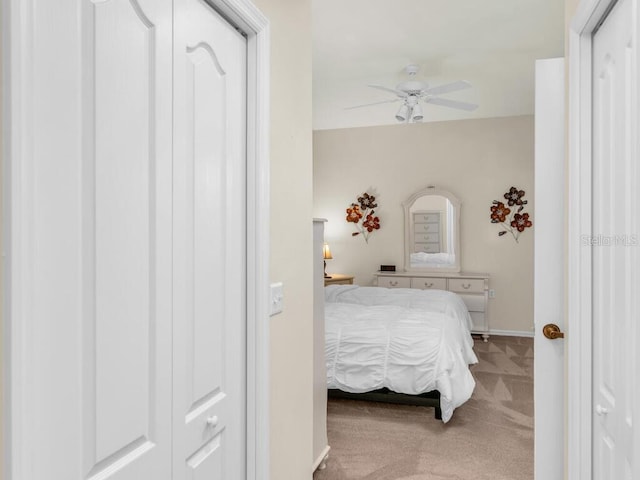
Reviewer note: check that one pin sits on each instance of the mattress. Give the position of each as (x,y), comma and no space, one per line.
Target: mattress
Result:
(408,347)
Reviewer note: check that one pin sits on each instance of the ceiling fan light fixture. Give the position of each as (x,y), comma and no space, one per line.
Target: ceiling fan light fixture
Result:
(413,91)
(403,113)
(416,113)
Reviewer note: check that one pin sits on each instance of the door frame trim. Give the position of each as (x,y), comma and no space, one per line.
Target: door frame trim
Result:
(588,17)
(16,107)
(17,169)
(256,26)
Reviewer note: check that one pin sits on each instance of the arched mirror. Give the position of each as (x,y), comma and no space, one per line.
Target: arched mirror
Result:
(432,231)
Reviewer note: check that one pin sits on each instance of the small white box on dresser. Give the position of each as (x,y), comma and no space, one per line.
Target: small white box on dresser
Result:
(473,288)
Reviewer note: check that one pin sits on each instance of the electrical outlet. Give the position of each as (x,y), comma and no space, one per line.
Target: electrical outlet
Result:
(492,293)
(277,298)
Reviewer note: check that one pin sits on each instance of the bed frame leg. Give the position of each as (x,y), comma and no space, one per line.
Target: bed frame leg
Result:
(438,413)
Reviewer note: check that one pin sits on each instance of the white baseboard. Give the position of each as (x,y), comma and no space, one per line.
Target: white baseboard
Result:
(320,462)
(512,333)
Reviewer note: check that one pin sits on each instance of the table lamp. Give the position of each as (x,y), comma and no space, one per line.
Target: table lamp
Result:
(326,254)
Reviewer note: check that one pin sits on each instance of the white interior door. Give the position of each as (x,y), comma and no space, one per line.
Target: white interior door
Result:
(126,291)
(90,242)
(603,261)
(209,285)
(614,243)
(549,367)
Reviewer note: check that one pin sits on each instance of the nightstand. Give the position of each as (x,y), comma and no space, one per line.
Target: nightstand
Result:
(338,279)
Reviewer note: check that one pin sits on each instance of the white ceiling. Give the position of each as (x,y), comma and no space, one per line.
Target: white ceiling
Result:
(491,43)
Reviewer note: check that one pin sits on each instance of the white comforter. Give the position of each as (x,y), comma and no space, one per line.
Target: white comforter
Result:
(408,344)
(435,301)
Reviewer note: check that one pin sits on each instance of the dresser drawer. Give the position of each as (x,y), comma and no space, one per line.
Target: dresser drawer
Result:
(466,285)
(474,303)
(427,237)
(394,282)
(426,247)
(426,228)
(426,218)
(479,322)
(425,283)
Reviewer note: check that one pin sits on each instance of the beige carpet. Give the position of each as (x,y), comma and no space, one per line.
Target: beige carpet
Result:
(489,438)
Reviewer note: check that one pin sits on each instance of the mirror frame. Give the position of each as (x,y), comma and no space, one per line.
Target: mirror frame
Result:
(407,204)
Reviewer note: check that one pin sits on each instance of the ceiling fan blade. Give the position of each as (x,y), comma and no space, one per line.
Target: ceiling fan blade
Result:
(449,87)
(445,102)
(374,103)
(400,93)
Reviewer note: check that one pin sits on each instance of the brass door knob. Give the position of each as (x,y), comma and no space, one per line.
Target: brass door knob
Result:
(552,331)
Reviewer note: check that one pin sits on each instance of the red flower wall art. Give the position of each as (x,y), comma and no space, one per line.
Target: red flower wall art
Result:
(362,215)
(511,217)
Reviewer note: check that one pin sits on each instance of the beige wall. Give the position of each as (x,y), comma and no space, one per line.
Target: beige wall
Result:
(1,269)
(291,237)
(570,7)
(477,160)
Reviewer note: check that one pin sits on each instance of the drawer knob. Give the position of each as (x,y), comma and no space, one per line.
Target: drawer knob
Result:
(393,283)
(466,286)
(428,285)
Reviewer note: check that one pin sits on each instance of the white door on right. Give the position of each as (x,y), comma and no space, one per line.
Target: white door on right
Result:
(549,354)
(615,288)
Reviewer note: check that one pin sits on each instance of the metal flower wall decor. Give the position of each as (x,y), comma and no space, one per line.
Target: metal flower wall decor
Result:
(361,214)
(514,221)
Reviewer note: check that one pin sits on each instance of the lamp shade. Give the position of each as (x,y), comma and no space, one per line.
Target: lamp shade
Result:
(326,252)
(416,113)
(403,113)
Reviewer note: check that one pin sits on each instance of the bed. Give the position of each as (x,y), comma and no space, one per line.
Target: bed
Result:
(406,342)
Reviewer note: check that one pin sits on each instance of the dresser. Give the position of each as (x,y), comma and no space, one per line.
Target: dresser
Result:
(338,279)
(427,232)
(473,288)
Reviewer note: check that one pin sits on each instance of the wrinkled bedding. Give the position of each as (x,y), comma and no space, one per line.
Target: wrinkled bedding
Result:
(410,341)
(435,301)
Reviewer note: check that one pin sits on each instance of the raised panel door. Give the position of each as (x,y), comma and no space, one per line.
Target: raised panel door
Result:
(126,219)
(209,348)
(97,182)
(128,242)
(614,243)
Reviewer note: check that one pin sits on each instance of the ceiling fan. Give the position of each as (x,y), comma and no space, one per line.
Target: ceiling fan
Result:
(412,91)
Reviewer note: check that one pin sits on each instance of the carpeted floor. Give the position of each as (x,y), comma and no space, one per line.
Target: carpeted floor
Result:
(489,438)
